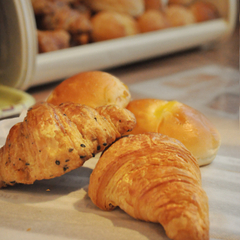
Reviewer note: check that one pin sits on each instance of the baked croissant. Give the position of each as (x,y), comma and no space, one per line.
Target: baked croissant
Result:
(153,178)
(54,140)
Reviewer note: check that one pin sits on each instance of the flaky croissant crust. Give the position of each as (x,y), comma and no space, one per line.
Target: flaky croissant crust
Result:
(153,178)
(54,140)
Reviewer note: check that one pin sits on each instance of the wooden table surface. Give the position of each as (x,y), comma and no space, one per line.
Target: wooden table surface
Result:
(225,53)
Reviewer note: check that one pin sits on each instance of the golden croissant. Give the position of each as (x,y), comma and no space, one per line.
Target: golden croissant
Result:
(53,140)
(156,179)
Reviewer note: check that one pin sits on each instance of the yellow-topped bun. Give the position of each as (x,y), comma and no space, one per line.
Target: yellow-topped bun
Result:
(93,88)
(178,121)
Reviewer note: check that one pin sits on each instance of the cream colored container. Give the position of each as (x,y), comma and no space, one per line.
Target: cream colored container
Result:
(22,67)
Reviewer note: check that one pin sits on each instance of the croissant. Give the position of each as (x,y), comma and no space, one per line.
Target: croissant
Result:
(53,140)
(156,179)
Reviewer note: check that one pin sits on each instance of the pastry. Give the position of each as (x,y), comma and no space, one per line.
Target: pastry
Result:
(152,20)
(52,40)
(67,18)
(41,7)
(178,121)
(204,11)
(130,7)
(155,179)
(52,141)
(179,15)
(93,88)
(107,25)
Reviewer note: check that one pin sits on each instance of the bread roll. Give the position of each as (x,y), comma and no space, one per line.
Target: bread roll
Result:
(110,25)
(178,121)
(131,7)
(179,15)
(204,11)
(94,88)
(152,20)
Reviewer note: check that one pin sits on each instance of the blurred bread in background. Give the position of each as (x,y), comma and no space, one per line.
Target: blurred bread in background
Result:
(152,20)
(182,2)
(179,15)
(108,25)
(153,4)
(204,11)
(94,88)
(131,7)
(53,40)
(89,21)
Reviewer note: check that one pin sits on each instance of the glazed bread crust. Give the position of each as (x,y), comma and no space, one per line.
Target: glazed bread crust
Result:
(178,121)
(94,88)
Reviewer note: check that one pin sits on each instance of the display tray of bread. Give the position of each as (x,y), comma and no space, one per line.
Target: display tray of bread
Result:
(122,32)
(62,24)
(74,36)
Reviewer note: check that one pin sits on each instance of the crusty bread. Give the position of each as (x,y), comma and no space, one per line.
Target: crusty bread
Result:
(131,7)
(110,25)
(179,15)
(178,121)
(204,11)
(93,88)
(152,20)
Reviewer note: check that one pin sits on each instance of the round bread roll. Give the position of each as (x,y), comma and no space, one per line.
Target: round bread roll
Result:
(178,121)
(108,25)
(204,11)
(152,20)
(179,15)
(130,7)
(94,88)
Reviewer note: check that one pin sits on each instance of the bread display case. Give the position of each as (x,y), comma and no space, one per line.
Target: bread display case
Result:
(23,67)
